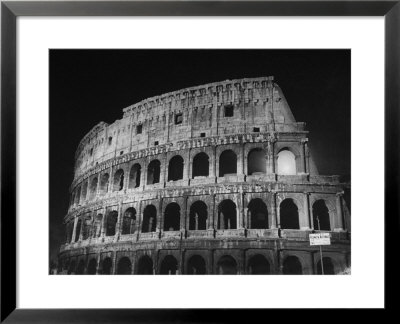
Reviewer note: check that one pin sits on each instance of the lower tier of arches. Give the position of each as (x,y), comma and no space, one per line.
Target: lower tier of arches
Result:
(207,257)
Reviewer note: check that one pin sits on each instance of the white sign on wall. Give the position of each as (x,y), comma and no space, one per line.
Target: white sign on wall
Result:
(320,239)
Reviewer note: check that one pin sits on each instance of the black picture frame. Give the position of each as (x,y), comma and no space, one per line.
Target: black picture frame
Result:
(10,10)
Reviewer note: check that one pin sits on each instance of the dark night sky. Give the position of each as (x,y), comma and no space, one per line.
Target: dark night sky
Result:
(89,86)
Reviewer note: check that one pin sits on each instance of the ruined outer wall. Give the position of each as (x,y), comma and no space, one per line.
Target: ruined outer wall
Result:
(261,120)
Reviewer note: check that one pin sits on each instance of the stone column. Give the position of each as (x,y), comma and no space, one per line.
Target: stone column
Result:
(339,212)
(240,162)
(74,230)
(303,168)
(241,215)
(81,231)
(160,216)
(305,223)
(119,220)
(213,162)
(103,223)
(271,157)
(187,166)
(273,219)
(211,217)
(184,214)
(110,181)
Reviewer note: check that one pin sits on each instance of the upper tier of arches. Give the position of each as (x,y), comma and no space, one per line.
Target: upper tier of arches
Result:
(230,107)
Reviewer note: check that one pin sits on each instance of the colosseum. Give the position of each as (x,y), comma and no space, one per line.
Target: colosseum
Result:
(211,179)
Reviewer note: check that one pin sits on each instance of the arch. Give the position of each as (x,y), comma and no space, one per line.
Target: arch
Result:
(292,265)
(104,181)
(329,268)
(106,266)
(201,165)
(149,219)
(80,269)
(84,190)
(86,226)
(258,264)
(321,216)
(227,163)
(289,214)
(134,176)
(175,168)
(227,265)
(256,161)
(196,265)
(153,172)
(78,230)
(172,217)
(78,195)
(118,180)
(286,162)
(92,267)
(169,265)
(124,266)
(97,225)
(129,221)
(93,188)
(111,223)
(227,214)
(198,216)
(70,230)
(71,268)
(145,265)
(258,214)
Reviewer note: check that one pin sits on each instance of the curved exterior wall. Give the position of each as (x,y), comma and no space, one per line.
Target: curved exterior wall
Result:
(191,198)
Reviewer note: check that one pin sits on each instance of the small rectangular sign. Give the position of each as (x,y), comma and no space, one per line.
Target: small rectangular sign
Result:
(320,239)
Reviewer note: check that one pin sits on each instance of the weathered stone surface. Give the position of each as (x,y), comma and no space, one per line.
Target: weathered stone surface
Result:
(195,181)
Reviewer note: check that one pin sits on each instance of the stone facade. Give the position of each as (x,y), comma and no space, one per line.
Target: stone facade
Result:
(214,179)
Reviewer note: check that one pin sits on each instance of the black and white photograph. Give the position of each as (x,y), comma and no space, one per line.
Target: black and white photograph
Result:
(200,162)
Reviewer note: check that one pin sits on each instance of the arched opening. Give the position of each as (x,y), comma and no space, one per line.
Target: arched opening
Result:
(258,264)
(256,162)
(84,190)
(86,226)
(321,216)
(129,221)
(169,265)
(112,218)
(289,215)
(134,176)
(149,219)
(92,267)
(258,214)
(104,183)
(145,265)
(172,217)
(70,229)
(227,215)
(227,163)
(78,230)
(106,266)
(153,172)
(198,216)
(329,268)
(227,265)
(124,266)
(200,165)
(292,266)
(175,168)
(93,188)
(71,268)
(118,180)
(78,196)
(80,269)
(286,163)
(196,265)
(97,225)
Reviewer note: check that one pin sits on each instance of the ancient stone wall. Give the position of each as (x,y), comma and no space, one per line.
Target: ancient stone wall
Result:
(211,179)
